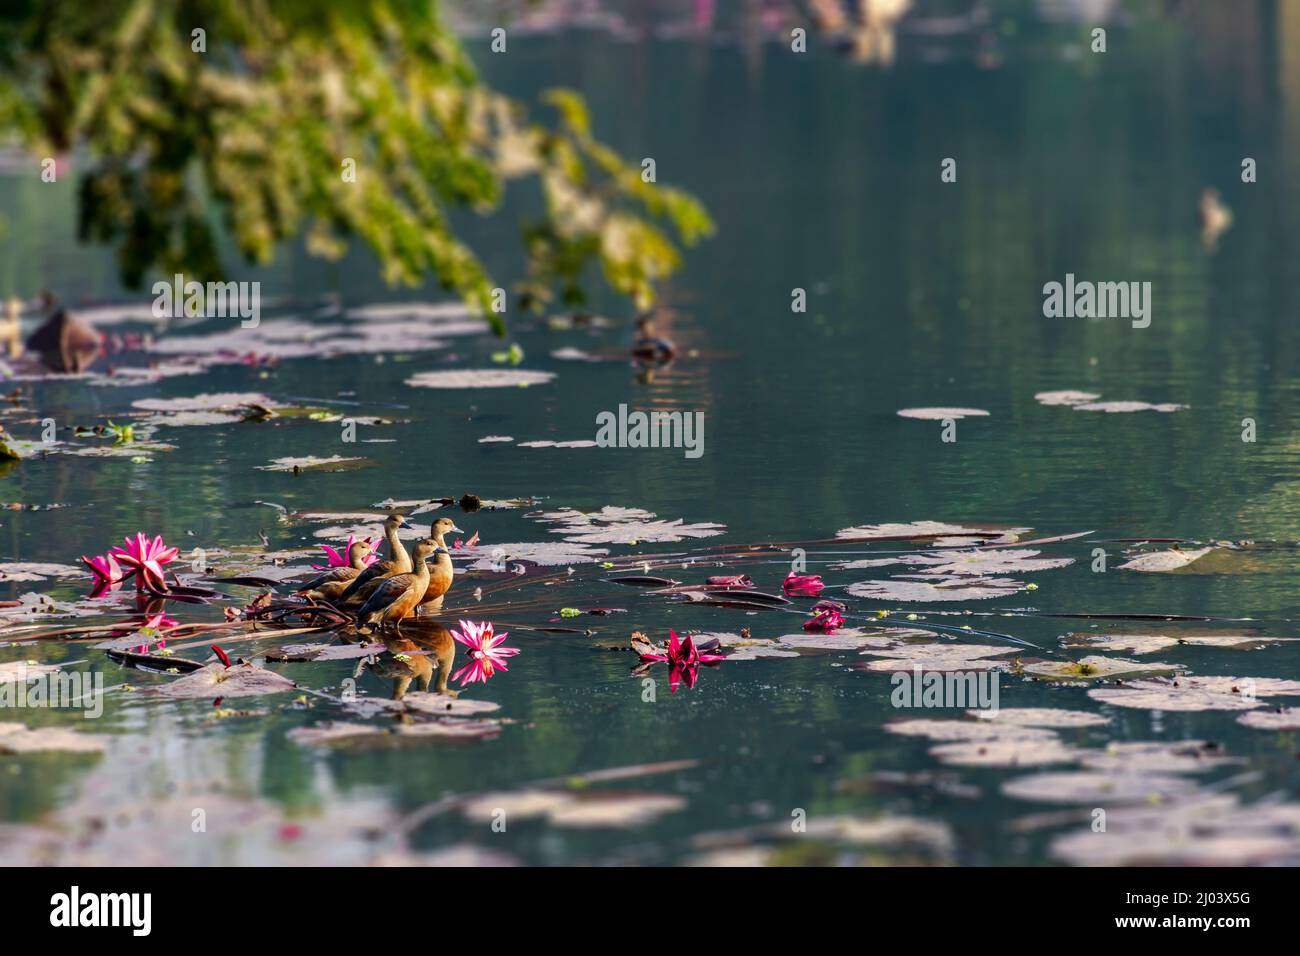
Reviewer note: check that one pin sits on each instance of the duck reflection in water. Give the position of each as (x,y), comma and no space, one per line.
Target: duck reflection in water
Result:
(424,647)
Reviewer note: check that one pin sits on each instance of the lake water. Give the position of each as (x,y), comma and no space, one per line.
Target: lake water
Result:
(821,175)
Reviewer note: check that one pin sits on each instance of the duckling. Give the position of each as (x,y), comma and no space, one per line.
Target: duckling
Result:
(399,562)
(330,585)
(651,348)
(396,597)
(440,576)
(1216,218)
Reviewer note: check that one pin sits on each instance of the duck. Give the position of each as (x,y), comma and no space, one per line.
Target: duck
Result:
(649,347)
(441,574)
(398,562)
(330,585)
(395,598)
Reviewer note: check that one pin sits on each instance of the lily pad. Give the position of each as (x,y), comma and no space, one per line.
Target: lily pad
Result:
(1097,788)
(480,378)
(941,590)
(966,730)
(612,525)
(1284,718)
(217,680)
(1123,407)
(1170,560)
(15,672)
(939,414)
(1096,667)
(38,571)
(925,529)
(1005,752)
(1065,397)
(936,657)
(1150,643)
(17,739)
(581,810)
(1040,717)
(1156,756)
(206,402)
(1181,694)
(314,463)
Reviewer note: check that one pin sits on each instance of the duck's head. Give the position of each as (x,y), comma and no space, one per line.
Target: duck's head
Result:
(358,551)
(395,521)
(423,548)
(443,526)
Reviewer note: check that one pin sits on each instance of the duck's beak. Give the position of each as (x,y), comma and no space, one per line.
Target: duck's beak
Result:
(406,524)
(457,530)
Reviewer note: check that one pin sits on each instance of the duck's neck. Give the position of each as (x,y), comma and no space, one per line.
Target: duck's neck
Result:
(399,557)
(358,557)
(442,555)
(421,572)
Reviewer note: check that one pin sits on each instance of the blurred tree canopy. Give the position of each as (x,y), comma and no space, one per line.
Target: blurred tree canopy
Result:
(263,120)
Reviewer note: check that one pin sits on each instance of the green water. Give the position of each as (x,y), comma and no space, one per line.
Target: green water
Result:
(824,176)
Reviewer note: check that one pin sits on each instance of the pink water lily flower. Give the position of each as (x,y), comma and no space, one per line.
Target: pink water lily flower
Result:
(104,567)
(338,560)
(683,660)
(826,616)
(458,544)
(146,558)
(486,654)
(802,585)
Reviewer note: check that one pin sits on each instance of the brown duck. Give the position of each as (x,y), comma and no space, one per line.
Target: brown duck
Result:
(398,562)
(330,585)
(395,598)
(440,575)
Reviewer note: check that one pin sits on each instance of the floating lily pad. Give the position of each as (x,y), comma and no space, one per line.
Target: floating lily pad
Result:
(937,591)
(206,402)
(314,463)
(1150,643)
(1005,752)
(1097,788)
(217,680)
(443,705)
(612,525)
(1122,407)
(584,809)
(925,529)
(14,672)
(1040,717)
(480,378)
(1182,694)
(1170,560)
(495,439)
(322,652)
(974,562)
(966,730)
(1200,830)
(936,657)
(1065,397)
(1156,756)
(940,414)
(1284,718)
(1096,667)
(17,739)
(38,571)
